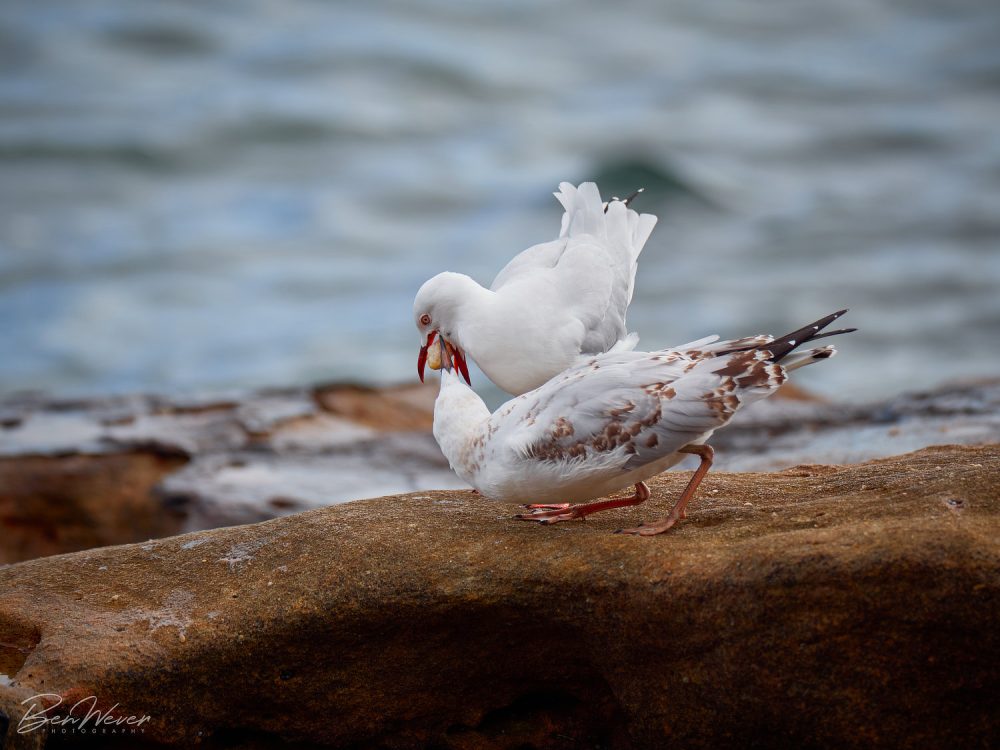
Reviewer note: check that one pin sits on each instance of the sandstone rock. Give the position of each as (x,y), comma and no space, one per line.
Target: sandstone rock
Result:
(246,457)
(80,474)
(243,487)
(820,607)
(407,408)
(52,504)
(775,434)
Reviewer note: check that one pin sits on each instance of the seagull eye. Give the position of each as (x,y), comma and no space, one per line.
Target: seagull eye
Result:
(425,319)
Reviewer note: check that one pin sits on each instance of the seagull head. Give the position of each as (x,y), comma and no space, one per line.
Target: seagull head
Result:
(436,312)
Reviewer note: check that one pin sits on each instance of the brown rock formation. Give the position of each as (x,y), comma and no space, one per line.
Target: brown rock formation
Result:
(405,407)
(75,475)
(50,504)
(819,607)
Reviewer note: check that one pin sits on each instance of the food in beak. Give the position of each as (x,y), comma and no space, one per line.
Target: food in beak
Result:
(435,355)
(444,355)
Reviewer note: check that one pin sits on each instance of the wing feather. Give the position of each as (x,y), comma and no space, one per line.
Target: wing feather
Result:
(590,268)
(633,408)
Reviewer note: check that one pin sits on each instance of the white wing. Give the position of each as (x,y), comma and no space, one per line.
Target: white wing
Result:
(591,267)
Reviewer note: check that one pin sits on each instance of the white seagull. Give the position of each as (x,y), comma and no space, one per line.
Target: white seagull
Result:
(613,421)
(555,303)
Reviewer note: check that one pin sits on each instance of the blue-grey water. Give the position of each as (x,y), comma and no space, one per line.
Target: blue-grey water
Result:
(206,195)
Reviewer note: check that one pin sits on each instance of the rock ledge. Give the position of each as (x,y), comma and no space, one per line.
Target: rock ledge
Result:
(822,606)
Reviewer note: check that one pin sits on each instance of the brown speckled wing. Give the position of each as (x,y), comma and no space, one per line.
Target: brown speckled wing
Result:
(635,408)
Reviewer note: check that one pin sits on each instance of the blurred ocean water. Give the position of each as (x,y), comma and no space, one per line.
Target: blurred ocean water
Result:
(206,195)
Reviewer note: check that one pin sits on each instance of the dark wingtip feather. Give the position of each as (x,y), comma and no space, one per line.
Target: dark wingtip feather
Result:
(833,333)
(781,347)
(627,200)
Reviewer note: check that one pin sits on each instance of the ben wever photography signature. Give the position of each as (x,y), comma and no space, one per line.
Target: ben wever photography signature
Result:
(82,717)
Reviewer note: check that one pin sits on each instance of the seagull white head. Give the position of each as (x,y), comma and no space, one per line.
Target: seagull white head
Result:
(436,314)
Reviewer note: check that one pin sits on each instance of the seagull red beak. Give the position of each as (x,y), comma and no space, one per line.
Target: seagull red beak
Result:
(422,357)
(459,356)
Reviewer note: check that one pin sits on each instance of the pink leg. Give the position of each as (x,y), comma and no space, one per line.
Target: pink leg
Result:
(583,510)
(707,454)
(546,506)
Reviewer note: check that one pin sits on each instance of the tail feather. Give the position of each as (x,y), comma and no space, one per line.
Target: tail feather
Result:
(584,214)
(801,359)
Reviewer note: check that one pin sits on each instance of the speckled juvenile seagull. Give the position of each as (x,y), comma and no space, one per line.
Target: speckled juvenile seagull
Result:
(613,421)
(552,304)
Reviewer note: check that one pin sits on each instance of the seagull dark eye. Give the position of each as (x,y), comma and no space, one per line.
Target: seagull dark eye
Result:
(425,319)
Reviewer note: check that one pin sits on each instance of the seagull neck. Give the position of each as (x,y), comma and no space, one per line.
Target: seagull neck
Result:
(460,416)
(473,313)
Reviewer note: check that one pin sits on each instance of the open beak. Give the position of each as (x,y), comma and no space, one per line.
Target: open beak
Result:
(422,357)
(447,355)
(458,358)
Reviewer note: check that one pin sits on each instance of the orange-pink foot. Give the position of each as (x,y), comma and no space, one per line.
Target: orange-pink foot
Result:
(554,514)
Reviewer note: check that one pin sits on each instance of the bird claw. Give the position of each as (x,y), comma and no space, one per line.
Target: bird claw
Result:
(555,515)
(546,506)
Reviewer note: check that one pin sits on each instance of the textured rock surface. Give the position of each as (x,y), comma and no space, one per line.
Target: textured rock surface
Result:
(778,433)
(80,474)
(823,606)
(194,463)
(52,504)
